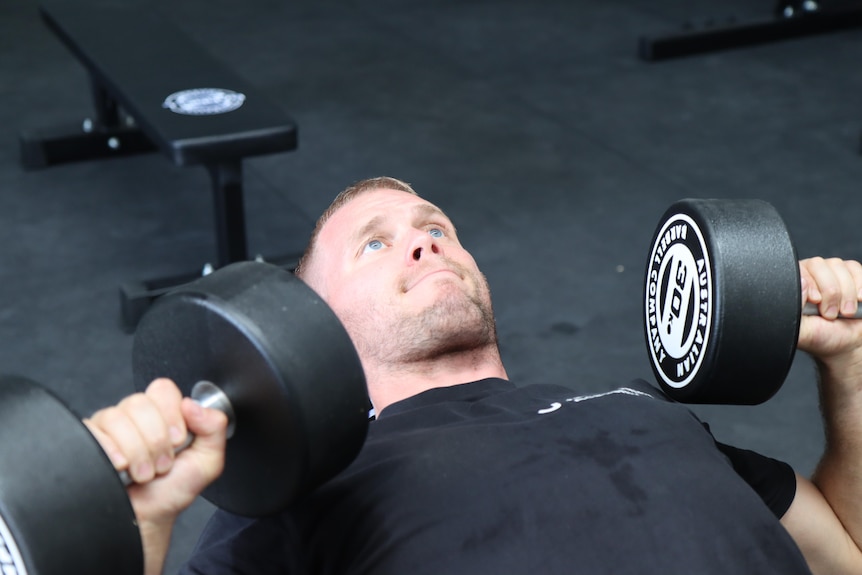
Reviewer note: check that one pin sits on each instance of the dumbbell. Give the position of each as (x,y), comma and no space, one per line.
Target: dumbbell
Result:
(722,301)
(268,350)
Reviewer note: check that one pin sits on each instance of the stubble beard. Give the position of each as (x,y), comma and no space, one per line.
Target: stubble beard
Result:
(455,323)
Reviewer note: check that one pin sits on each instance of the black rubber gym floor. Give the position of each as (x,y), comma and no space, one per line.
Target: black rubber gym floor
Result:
(534,124)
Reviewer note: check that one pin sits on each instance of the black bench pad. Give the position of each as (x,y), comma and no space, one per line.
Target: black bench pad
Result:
(140,58)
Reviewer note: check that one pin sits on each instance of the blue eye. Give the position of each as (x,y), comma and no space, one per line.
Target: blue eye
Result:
(436,233)
(373,246)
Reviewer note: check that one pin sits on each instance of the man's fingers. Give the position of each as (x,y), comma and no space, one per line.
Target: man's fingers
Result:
(810,293)
(835,285)
(119,424)
(855,270)
(824,290)
(115,454)
(140,433)
(152,427)
(204,422)
(843,292)
(167,397)
(208,449)
(846,296)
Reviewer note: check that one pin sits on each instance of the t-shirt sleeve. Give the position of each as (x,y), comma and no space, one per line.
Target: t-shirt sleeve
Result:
(230,544)
(773,480)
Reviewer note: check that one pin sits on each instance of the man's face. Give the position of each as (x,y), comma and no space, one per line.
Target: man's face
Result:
(391,267)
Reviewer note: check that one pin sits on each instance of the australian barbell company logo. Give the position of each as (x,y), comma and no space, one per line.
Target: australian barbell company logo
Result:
(11,562)
(679,296)
(204,101)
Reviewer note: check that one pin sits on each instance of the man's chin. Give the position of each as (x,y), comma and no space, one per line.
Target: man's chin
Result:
(458,317)
(447,297)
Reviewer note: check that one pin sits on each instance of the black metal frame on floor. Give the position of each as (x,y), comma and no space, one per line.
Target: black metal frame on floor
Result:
(790,20)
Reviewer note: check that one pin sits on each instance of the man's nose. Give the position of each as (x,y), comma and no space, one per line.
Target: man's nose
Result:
(422,244)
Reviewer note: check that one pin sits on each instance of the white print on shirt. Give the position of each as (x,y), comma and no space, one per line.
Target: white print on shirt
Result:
(624,390)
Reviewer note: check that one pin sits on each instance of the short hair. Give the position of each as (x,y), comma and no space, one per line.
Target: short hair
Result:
(378,183)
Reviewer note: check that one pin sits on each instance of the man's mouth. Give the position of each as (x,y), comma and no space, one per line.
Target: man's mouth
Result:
(410,284)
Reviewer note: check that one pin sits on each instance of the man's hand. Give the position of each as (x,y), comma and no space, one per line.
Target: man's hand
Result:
(835,286)
(139,435)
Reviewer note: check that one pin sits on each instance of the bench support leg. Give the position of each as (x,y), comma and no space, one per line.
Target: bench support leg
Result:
(105,136)
(231,244)
(229,212)
(106,108)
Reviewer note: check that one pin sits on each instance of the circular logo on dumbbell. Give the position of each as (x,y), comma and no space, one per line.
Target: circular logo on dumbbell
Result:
(11,561)
(678,306)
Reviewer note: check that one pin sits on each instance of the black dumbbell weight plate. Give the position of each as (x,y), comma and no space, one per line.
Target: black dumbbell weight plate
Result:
(285,362)
(721,301)
(63,508)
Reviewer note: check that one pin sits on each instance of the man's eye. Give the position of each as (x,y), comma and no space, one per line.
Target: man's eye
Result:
(436,233)
(373,246)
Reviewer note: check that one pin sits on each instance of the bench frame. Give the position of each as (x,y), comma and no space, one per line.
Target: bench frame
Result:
(120,127)
(716,35)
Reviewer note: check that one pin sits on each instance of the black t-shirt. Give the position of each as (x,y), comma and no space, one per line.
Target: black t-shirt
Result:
(488,477)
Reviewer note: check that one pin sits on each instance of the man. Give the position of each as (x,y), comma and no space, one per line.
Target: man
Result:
(463,472)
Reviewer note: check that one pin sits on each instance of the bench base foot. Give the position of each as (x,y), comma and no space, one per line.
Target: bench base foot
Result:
(137,296)
(713,37)
(47,147)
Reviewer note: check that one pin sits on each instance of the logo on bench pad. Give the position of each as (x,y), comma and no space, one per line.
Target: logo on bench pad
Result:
(204,101)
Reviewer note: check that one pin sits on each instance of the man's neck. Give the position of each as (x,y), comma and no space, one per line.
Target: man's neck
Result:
(393,382)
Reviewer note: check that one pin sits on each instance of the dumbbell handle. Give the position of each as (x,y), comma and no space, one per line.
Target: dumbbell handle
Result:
(812,309)
(206,394)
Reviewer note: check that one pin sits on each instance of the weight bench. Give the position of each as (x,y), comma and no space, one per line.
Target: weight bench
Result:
(156,89)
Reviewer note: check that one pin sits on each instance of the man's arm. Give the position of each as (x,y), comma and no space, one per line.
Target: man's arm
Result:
(825,517)
(139,435)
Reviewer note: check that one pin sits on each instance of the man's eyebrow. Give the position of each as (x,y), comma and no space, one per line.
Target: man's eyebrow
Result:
(426,211)
(369,227)
(420,212)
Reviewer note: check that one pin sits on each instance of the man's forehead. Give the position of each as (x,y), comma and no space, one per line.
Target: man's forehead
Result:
(378,206)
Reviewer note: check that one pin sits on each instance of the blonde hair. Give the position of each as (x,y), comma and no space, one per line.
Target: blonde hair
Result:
(382,182)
